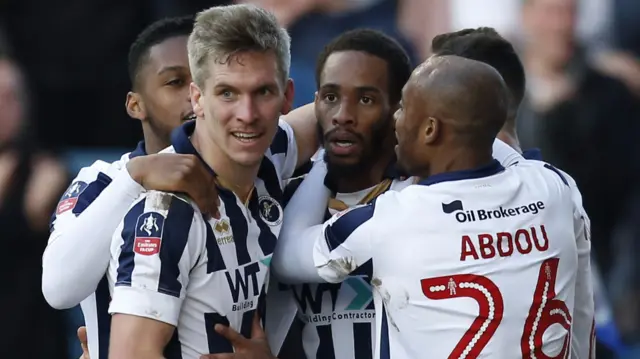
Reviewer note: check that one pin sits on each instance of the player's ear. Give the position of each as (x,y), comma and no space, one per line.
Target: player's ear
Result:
(288,97)
(135,106)
(431,130)
(196,100)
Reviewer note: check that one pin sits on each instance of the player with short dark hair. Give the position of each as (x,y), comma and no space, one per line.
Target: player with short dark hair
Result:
(87,215)
(485,44)
(360,75)
(160,78)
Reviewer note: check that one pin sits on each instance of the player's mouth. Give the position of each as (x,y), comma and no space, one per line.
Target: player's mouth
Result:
(247,137)
(343,143)
(189,117)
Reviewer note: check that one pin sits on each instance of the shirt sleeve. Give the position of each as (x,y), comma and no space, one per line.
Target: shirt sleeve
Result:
(283,151)
(345,243)
(281,313)
(158,244)
(77,255)
(292,259)
(584,309)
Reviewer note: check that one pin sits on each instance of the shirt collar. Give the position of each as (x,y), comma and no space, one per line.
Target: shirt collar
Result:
(139,151)
(494,167)
(181,141)
(532,154)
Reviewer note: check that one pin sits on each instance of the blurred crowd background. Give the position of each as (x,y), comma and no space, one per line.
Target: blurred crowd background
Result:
(63,81)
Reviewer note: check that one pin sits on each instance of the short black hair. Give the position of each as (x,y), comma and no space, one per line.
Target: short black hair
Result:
(377,44)
(485,44)
(154,34)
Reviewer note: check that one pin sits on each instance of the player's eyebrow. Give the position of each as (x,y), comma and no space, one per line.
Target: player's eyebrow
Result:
(331,86)
(176,68)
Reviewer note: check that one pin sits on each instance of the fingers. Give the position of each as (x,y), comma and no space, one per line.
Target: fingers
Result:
(257,332)
(82,337)
(236,339)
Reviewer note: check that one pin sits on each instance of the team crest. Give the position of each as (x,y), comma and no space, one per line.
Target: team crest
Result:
(270,210)
(70,197)
(148,233)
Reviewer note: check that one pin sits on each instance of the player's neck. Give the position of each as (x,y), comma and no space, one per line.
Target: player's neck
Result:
(367,178)
(231,175)
(509,136)
(153,143)
(460,159)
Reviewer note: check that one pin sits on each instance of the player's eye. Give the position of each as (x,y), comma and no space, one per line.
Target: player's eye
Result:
(227,94)
(265,91)
(175,82)
(330,97)
(365,100)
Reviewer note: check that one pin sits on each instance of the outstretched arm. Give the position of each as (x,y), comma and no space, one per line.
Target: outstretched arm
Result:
(292,259)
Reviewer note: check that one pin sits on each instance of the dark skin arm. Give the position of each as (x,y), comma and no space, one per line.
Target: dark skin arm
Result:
(171,172)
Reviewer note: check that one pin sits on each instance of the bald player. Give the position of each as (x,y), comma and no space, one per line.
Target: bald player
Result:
(474,259)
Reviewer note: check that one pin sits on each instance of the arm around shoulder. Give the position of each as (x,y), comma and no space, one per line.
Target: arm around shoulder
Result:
(304,124)
(87,216)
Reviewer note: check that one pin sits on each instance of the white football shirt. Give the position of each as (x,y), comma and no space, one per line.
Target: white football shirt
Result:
(84,189)
(469,264)
(338,319)
(171,264)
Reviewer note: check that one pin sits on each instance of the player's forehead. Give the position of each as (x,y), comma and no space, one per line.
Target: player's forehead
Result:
(245,71)
(170,54)
(355,69)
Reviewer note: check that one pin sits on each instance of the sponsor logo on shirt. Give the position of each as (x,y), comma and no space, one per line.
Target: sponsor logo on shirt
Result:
(222,231)
(473,215)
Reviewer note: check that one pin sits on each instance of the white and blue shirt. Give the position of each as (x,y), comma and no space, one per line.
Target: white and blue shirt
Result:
(465,264)
(171,264)
(84,189)
(338,319)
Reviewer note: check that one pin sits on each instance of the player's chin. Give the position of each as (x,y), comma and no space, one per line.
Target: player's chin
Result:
(343,162)
(247,157)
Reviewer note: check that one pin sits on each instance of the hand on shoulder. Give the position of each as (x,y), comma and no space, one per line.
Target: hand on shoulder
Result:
(172,172)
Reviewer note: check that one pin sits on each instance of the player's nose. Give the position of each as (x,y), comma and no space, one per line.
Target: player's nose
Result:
(246,111)
(345,115)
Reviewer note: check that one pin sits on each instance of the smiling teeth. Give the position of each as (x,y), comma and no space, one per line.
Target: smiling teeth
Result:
(245,136)
(344,143)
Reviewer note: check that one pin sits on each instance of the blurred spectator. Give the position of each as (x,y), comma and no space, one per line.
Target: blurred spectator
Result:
(31,181)
(584,122)
(74,54)
(313,23)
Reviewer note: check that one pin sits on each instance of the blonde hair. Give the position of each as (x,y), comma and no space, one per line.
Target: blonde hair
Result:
(221,32)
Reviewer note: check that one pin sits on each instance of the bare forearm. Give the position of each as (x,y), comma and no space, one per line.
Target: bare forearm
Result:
(134,337)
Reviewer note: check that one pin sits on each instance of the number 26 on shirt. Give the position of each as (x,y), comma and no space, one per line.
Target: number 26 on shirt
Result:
(545,311)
